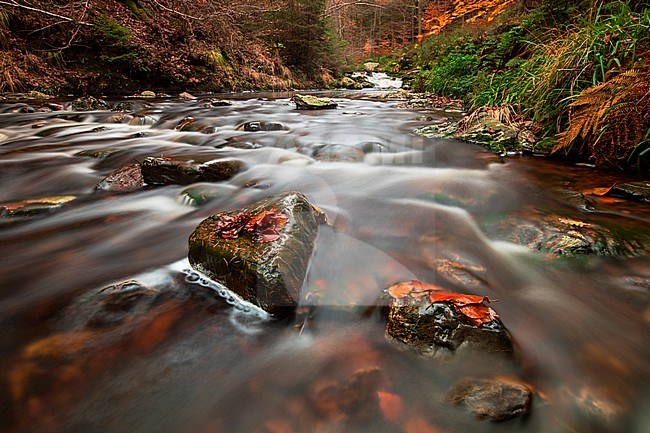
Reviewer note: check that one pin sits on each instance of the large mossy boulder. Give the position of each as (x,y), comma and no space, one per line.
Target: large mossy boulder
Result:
(488,131)
(260,252)
(310,102)
(433,322)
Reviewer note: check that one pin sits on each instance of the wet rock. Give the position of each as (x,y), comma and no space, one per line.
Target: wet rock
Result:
(163,171)
(213,102)
(309,102)
(441,130)
(148,94)
(53,106)
(130,106)
(142,120)
(638,191)
(370,66)
(569,237)
(261,126)
(127,178)
(267,271)
(27,109)
(492,399)
(100,154)
(120,118)
(338,153)
(186,96)
(433,328)
(88,103)
(190,124)
(34,207)
(34,94)
(199,194)
(113,304)
(488,131)
(347,83)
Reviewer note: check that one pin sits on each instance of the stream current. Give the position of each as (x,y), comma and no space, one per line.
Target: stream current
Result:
(399,206)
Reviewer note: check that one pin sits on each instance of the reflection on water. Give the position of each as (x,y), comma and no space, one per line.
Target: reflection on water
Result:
(178,357)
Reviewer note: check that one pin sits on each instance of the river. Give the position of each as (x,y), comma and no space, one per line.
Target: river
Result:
(399,205)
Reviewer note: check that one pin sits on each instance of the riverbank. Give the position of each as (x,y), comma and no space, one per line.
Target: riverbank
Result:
(578,72)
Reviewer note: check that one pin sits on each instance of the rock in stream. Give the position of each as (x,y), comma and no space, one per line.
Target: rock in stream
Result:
(260,252)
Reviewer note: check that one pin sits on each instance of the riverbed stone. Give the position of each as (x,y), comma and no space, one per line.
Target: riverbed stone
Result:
(268,274)
(571,237)
(34,207)
(165,171)
(437,328)
(495,400)
(261,126)
(638,191)
(488,131)
(309,102)
(127,178)
(338,153)
(88,103)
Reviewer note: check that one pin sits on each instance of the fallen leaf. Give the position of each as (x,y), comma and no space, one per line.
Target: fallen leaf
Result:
(597,191)
(415,289)
(391,405)
(471,307)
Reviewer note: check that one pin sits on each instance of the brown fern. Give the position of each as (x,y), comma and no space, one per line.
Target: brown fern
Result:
(607,121)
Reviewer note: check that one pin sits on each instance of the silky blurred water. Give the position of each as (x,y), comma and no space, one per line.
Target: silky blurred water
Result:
(398,205)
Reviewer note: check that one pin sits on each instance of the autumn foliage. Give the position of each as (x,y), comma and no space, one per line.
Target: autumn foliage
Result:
(263,227)
(471,307)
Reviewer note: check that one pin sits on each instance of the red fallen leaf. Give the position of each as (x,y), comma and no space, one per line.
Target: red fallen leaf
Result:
(391,405)
(456,298)
(263,227)
(415,289)
(470,306)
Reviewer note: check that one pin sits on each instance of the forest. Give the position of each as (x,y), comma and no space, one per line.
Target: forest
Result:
(555,63)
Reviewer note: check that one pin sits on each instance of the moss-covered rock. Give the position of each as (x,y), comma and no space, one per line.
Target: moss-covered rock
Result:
(569,237)
(309,102)
(88,103)
(266,271)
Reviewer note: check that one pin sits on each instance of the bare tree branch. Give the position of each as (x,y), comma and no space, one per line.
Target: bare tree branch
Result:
(15,4)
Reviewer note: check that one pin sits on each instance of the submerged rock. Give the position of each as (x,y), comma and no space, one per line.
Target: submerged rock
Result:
(163,171)
(260,252)
(88,103)
(569,237)
(127,178)
(34,207)
(338,153)
(309,102)
(431,323)
(492,399)
(213,102)
(261,126)
(639,191)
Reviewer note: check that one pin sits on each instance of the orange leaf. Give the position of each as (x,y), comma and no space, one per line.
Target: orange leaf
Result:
(457,299)
(597,191)
(391,405)
(415,289)
(470,306)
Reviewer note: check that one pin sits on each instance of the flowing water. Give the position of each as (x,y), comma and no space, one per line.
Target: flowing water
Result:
(399,207)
